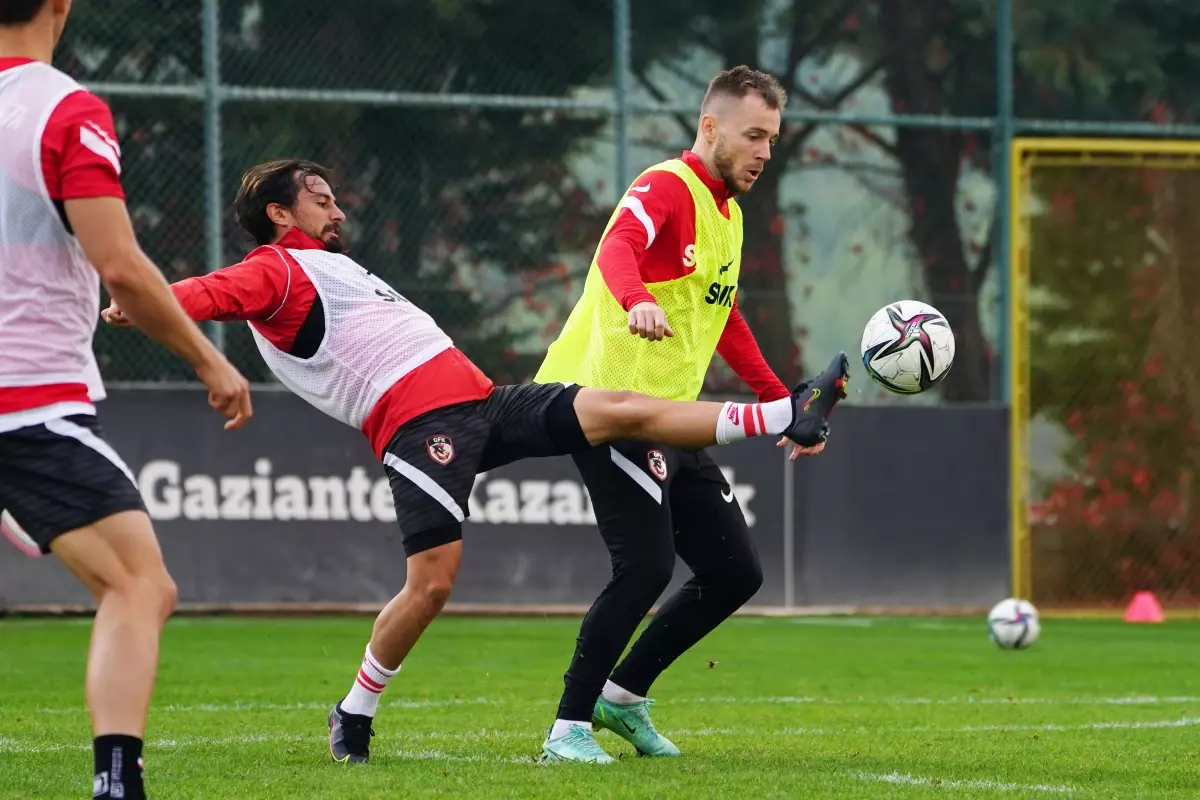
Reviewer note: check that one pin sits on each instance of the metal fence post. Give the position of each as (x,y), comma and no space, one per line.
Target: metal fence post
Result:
(789,533)
(1001,146)
(212,152)
(622,57)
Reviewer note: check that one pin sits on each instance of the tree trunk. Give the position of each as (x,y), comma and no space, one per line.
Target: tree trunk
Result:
(929,162)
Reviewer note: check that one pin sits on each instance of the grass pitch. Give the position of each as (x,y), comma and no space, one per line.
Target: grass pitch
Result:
(843,707)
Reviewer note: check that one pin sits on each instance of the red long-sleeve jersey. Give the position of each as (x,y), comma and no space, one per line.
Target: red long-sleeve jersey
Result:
(647,243)
(271,291)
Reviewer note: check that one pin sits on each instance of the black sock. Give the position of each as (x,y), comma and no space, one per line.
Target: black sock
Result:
(118,767)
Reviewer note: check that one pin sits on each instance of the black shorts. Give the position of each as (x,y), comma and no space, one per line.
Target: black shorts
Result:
(432,460)
(59,476)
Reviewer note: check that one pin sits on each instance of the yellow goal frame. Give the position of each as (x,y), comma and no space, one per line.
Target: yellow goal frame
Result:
(1023,156)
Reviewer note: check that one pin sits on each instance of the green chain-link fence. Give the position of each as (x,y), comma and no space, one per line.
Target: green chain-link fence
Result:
(480,144)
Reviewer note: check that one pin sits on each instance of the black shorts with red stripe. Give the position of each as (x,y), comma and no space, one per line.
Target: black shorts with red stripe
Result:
(57,477)
(433,459)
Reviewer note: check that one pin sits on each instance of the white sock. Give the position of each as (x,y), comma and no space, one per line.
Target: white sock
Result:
(615,694)
(743,420)
(561,726)
(370,682)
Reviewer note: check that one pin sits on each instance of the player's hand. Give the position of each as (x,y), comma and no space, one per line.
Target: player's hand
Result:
(649,321)
(228,392)
(113,315)
(798,451)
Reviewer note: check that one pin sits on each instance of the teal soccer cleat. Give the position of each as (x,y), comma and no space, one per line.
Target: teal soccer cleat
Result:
(577,744)
(632,723)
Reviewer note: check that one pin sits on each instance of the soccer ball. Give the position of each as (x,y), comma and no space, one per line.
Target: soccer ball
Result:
(1013,624)
(907,347)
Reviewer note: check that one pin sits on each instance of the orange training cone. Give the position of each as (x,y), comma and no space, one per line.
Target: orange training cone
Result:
(1144,608)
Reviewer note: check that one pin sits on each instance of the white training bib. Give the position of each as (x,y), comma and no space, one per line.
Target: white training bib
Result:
(373,338)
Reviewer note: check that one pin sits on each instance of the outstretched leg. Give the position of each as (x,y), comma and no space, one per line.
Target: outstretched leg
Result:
(607,416)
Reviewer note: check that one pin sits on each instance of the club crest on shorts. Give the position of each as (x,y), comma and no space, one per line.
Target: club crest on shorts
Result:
(658,464)
(440,449)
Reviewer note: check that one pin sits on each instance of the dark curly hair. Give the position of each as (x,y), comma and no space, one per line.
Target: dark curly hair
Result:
(276,182)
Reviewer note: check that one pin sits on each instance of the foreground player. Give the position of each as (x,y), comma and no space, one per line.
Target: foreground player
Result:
(353,347)
(666,270)
(63,489)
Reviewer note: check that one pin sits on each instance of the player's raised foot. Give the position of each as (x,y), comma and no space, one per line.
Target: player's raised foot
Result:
(349,737)
(632,723)
(814,401)
(577,744)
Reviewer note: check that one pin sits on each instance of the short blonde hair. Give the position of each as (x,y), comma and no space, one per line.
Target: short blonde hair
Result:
(741,81)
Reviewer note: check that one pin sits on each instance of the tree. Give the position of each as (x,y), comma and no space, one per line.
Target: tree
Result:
(456,206)
(481,199)
(452,198)
(1108,59)
(892,42)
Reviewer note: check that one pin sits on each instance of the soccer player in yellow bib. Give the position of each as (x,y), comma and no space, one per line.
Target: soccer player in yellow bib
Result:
(659,301)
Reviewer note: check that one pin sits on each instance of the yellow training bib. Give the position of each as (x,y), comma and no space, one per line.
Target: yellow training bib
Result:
(596,348)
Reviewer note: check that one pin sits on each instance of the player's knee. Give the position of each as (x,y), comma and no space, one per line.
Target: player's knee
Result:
(166,594)
(435,590)
(648,573)
(151,589)
(624,413)
(431,575)
(743,578)
(156,590)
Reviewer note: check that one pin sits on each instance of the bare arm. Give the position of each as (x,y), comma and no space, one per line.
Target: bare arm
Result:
(103,229)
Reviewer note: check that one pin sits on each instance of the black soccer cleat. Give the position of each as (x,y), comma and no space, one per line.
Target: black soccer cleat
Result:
(813,402)
(349,737)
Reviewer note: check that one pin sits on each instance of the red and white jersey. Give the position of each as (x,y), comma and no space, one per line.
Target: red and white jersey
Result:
(56,140)
(373,338)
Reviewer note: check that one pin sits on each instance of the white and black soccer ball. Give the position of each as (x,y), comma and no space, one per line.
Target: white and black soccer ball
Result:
(1013,624)
(907,347)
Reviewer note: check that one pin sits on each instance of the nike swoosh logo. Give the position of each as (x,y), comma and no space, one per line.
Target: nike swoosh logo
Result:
(816,392)
(727,496)
(723,269)
(645,188)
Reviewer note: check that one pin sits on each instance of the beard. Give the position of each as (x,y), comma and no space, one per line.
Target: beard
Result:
(335,243)
(725,167)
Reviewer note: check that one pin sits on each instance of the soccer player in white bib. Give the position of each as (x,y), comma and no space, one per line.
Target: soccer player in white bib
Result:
(355,348)
(64,490)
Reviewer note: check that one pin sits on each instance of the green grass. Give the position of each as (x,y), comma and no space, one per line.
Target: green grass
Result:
(763,708)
